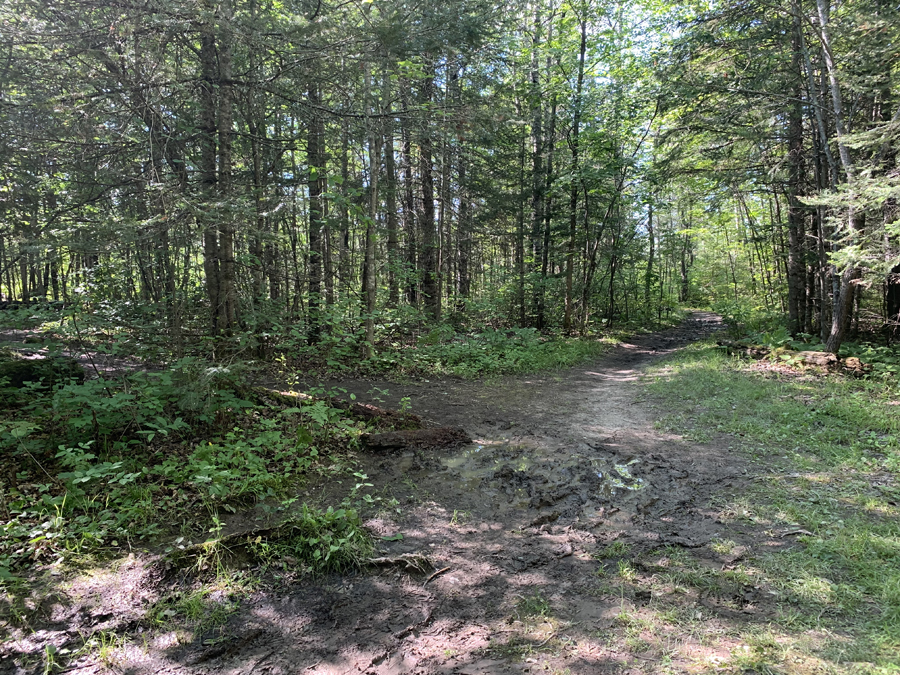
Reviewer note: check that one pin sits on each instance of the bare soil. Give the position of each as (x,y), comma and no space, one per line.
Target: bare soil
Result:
(511,543)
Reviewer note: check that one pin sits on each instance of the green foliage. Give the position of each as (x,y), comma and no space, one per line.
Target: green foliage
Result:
(830,450)
(326,541)
(193,607)
(743,318)
(533,605)
(16,371)
(103,463)
(884,361)
(445,351)
(259,463)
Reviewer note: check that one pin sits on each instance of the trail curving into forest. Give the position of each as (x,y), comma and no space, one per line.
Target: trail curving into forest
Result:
(567,474)
(494,558)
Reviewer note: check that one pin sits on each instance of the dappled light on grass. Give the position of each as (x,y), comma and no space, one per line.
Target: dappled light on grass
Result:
(828,453)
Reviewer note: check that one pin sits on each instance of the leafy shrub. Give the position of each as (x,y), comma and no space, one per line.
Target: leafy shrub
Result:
(744,318)
(884,361)
(443,351)
(104,462)
(326,541)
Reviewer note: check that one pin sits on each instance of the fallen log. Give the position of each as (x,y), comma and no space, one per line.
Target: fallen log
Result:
(824,360)
(753,351)
(441,437)
(382,417)
(820,359)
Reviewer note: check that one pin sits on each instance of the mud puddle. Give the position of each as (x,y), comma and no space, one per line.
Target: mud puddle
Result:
(534,477)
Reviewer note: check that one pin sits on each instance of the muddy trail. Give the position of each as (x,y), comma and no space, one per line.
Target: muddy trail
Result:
(495,556)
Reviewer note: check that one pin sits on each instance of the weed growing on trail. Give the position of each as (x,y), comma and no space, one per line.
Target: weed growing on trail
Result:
(828,451)
(106,645)
(200,608)
(533,605)
(324,541)
(615,549)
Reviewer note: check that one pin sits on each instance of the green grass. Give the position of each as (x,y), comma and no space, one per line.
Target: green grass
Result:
(533,605)
(440,350)
(828,456)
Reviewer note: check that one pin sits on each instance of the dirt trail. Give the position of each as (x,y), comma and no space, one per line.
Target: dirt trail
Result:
(516,528)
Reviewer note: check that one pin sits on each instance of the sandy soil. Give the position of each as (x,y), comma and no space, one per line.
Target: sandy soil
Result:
(516,534)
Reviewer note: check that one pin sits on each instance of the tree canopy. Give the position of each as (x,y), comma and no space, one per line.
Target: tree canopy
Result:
(221,168)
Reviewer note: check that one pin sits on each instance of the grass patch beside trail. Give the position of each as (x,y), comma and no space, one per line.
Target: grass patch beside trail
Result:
(469,351)
(828,450)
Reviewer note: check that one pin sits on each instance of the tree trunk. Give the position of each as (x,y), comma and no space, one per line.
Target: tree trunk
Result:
(842,301)
(537,176)
(431,288)
(409,203)
(463,231)
(648,274)
(207,170)
(316,163)
(892,301)
(390,194)
(520,239)
(796,267)
(369,272)
(228,292)
(574,189)
(684,267)
(344,244)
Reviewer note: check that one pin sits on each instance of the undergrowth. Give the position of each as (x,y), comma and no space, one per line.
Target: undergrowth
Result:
(109,465)
(828,450)
(758,326)
(406,343)
(442,350)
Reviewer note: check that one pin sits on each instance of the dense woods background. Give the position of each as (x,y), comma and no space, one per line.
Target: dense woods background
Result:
(314,168)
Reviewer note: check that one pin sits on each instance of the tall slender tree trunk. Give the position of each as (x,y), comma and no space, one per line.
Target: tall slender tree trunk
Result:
(548,209)
(390,194)
(227,227)
(537,175)
(374,138)
(464,231)
(316,163)
(574,189)
(344,234)
(431,287)
(796,266)
(844,285)
(520,239)
(648,274)
(445,209)
(207,170)
(257,254)
(409,202)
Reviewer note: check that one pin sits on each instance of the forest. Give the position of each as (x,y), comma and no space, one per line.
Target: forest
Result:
(298,172)
(247,247)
